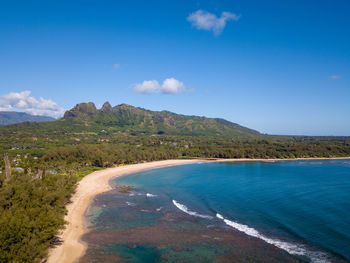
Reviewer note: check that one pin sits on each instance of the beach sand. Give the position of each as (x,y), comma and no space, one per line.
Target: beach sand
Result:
(93,184)
(72,248)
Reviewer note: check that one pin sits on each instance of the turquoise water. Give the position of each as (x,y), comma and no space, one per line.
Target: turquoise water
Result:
(302,207)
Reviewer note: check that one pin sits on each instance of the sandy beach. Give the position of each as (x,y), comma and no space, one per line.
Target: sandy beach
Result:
(98,182)
(93,184)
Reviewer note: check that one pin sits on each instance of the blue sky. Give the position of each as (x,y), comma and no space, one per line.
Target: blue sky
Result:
(281,67)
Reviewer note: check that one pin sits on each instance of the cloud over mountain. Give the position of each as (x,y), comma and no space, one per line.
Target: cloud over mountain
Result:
(22,101)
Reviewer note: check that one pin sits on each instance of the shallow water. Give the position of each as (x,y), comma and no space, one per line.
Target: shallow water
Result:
(226,212)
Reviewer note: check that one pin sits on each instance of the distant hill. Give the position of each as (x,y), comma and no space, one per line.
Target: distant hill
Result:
(12,117)
(138,120)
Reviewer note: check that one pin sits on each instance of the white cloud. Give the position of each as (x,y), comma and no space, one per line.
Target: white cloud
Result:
(148,86)
(207,21)
(169,86)
(22,101)
(335,77)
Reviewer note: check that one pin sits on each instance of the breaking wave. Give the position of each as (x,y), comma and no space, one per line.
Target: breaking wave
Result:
(184,208)
(294,249)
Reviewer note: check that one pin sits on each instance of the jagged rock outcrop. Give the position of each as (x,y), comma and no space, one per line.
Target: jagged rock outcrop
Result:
(138,120)
(107,108)
(81,109)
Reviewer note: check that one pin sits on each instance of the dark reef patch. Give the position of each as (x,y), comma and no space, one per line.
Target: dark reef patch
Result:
(131,228)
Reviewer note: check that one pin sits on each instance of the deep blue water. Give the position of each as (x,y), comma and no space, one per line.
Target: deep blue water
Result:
(302,207)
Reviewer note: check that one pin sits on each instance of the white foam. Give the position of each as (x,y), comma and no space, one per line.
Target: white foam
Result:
(150,195)
(158,209)
(184,208)
(294,249)
(130,204)
(220,216)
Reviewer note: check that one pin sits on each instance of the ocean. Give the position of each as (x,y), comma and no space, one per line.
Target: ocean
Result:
(283,211)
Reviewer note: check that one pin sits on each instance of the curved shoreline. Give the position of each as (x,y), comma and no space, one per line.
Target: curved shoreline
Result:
(72,248)
(91,185)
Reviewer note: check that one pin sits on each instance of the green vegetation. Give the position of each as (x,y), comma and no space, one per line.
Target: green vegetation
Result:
(47,159)
(126,118)
(31,213)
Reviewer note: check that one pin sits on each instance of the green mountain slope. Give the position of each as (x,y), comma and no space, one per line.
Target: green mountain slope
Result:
(127,118)
(11,117)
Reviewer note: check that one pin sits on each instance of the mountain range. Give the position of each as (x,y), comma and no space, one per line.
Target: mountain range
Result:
(132,119)
(12,117)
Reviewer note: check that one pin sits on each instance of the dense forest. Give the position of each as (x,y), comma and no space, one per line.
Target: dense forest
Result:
(47,159)
(31,214)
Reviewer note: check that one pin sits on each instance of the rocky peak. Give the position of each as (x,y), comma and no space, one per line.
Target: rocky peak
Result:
(106,108)
(81,109)
(135,119)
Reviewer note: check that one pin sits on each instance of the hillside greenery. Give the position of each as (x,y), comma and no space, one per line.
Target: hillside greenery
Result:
(48,158)
(126,118)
